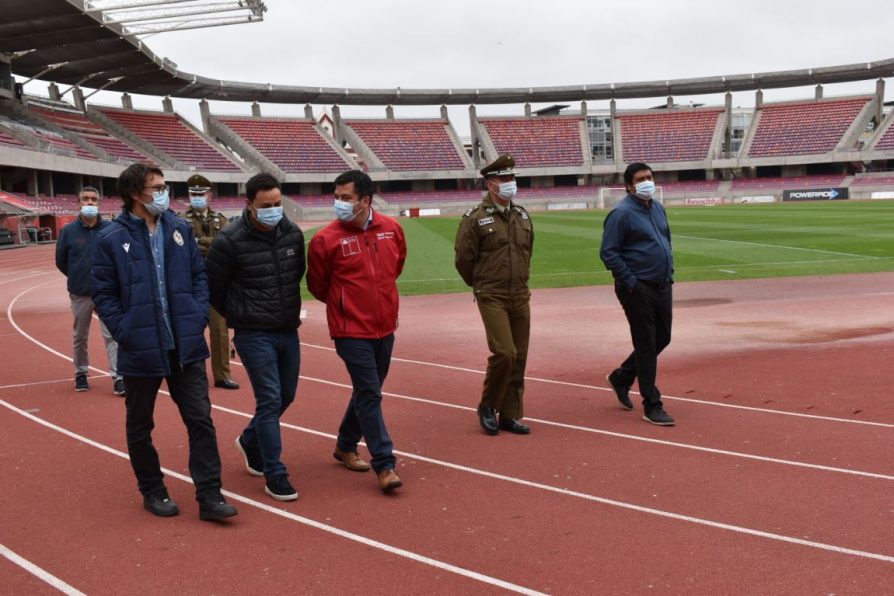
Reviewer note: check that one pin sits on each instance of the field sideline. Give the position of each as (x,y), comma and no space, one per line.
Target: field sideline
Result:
(710,243)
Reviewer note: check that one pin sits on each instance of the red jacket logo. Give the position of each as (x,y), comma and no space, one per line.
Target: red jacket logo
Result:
(350,246)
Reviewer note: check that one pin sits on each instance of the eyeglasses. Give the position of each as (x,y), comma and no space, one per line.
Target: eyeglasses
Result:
(157,188)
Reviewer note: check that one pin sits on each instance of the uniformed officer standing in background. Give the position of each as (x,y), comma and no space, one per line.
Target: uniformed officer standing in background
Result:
(205,225)
(493,255)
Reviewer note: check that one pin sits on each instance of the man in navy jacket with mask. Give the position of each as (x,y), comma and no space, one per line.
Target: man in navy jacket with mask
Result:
(636,247)
(151,292)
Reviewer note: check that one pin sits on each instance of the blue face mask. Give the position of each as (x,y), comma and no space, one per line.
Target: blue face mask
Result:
(89,211)
(198,202)
(645,189)
(269,216)
(508,190)
(344,210)
(159,204)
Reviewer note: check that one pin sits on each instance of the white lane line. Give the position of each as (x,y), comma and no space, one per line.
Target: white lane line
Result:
(538,420)
(700,402)
(35,383)
(400,552)
(38,572)
(585,496)
(9,281)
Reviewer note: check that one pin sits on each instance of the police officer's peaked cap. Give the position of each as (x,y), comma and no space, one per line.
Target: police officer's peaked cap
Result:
(198,183)
(502,166)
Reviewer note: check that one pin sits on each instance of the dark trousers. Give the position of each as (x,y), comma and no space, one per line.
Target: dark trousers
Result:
(189,390)
(649,311)
(507,324)
(272,360)
(367,361)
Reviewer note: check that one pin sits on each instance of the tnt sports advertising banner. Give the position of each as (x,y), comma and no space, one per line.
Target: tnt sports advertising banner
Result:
(815,194)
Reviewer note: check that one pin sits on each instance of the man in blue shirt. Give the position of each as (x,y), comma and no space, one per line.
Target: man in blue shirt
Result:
(636,247)
(151,291)
(74,258)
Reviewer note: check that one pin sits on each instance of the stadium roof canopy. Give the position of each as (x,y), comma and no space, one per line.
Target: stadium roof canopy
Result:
(55,40)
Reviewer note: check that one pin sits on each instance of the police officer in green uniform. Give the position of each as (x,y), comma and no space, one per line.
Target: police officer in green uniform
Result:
(493,255)
(205,225)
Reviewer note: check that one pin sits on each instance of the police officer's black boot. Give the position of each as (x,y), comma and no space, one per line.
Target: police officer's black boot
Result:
(488,419)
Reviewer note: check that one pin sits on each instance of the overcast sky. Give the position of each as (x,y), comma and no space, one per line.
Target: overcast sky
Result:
(498,43)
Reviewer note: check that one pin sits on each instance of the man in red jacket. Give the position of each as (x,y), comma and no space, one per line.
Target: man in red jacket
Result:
(353,265)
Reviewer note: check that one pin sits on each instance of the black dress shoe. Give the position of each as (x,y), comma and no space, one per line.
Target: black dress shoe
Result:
(227,384)
(514,426)
(488,419)
(214,507)
(160,504)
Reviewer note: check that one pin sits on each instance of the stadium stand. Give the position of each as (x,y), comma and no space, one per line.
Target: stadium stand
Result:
(7,139)
(410,145)
(803,128)
(690,186)
(293,145)
(873,180)
(781,182)
(537,142)
(75,122)
(474,195)
(668,135)
(886,143)
(169,133)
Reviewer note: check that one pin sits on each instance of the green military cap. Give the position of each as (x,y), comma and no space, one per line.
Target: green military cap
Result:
(502,166)
(198,184)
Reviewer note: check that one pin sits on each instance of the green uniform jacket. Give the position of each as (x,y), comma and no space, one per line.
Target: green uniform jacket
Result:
(205,227)
(493,249)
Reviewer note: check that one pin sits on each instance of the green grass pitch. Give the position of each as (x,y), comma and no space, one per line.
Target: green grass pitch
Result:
(710,243)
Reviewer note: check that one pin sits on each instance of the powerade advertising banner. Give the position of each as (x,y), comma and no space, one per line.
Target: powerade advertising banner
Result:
(815,194)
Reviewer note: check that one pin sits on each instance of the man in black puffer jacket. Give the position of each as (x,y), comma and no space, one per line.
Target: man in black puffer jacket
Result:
(255,265)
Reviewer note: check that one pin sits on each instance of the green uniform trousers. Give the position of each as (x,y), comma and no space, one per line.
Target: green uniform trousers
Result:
(220,346)
(507,323)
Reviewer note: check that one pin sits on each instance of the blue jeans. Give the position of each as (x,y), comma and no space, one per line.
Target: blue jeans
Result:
(367,361)
(272,360)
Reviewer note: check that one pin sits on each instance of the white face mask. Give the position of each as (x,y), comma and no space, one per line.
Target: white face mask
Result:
(645,189)
(507,190)
(160,203)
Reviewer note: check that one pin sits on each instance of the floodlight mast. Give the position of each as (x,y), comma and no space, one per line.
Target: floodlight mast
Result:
(145,17)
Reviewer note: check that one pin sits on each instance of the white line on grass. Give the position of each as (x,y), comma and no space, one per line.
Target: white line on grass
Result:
(782,246)
(39,573)
(537,485)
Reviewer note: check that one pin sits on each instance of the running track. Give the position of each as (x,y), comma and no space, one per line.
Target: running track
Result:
(778,477)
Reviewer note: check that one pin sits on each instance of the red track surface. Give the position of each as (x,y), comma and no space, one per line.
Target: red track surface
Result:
(777,478)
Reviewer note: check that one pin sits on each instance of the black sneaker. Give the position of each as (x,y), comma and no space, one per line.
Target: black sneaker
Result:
(160,504)
(119,387)
(81,383)
(252,455)
(658,416)
(280,489)
(621,392)
(213,507)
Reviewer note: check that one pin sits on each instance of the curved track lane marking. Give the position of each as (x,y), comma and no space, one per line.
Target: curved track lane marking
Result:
(598,388)
(467,573)
(40,573)
(527,483)
(782,246)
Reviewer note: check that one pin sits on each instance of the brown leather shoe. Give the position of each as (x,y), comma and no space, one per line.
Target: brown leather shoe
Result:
(388,481)
(350,460)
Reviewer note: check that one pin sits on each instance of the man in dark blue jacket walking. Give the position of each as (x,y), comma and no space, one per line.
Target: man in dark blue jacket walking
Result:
(151,291)
(74,258)
(636,247)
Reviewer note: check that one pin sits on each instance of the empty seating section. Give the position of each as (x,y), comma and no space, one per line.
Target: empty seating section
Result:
(887,140)
(690,186)
(785,183)
(59,144)
(663,136)
(473,196)
(410,145)
(803,128)
(537,142)
(77,123)
(874,180)
(171,135)
(6,139)
(293,145)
